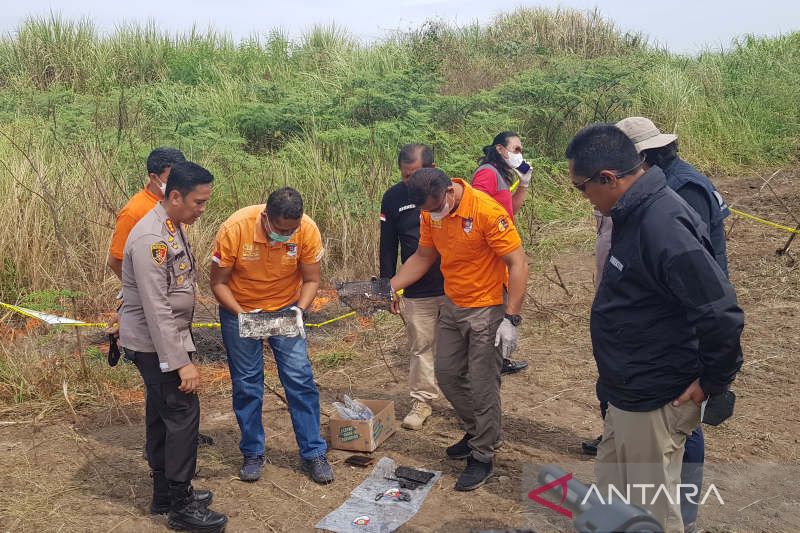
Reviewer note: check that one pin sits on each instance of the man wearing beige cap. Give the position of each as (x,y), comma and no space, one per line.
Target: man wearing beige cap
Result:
(660,149)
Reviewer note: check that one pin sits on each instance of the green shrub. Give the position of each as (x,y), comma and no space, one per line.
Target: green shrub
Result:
(80,111)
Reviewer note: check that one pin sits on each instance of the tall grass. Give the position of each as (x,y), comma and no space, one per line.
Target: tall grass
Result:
(481,56)
(584,33)
(52,51)
(79,112)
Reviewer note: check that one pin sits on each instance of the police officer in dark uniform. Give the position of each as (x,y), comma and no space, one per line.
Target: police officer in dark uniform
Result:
(158,285)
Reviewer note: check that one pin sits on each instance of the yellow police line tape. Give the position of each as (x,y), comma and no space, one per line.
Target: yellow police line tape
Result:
(55,320)
(765,222)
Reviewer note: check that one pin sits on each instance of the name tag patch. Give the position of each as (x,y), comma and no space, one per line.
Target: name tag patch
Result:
(617,263)
(721,201)
(250,252)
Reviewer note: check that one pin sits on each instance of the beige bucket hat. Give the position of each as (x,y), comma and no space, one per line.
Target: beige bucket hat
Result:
(644,133)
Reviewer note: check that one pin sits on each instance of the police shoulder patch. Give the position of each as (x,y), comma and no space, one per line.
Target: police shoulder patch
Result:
(158,251)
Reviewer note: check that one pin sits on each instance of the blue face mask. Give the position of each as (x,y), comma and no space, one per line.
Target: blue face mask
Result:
(277,237)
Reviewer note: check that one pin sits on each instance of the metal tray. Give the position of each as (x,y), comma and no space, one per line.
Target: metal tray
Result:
(265,324)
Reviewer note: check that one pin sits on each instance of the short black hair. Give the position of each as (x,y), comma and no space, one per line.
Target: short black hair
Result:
(413,152)
(427,182)
(661,156)
(599,147)
(163,157)
(185,176)
(285,203)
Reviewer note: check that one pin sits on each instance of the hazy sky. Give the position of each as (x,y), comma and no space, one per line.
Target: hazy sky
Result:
(681,25)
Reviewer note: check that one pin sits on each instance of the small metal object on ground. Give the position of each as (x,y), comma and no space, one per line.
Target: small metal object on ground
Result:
(405,483)
(362,461)
(394,494)
(420,477)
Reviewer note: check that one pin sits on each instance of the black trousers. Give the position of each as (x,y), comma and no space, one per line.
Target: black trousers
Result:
(172,418)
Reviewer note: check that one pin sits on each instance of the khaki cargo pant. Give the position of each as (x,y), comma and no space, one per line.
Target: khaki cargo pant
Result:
(422,316)
(647,448)
(468,371)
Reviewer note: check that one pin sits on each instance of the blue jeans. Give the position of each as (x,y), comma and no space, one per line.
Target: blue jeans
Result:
(692,473)
(246,363)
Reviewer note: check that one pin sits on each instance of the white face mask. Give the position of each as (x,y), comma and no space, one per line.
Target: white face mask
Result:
(514,159)
(443,212)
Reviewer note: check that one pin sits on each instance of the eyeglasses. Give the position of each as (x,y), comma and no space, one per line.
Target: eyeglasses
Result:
(582,185)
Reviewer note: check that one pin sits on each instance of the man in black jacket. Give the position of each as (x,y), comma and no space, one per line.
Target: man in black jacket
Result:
(665,324)
(661,149)
(423,299)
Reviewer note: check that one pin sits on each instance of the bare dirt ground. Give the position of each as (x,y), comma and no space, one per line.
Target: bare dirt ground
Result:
(87,473)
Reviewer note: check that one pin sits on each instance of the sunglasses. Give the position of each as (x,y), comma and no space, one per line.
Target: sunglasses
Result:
(582,185)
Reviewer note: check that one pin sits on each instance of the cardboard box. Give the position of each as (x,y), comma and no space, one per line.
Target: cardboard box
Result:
(363,435)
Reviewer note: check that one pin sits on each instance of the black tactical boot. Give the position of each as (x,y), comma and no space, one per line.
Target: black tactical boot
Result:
(589,447)
(187,514)
(512,367)
(474,475)
(461,449)
(160,503)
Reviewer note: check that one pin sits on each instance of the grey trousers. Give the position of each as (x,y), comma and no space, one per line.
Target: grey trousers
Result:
(468,371)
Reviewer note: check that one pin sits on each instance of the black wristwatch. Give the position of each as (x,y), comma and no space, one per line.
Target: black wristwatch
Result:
(515,320)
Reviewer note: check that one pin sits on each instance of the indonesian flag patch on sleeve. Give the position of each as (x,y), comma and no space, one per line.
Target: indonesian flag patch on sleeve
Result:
(383,217)
(216,257)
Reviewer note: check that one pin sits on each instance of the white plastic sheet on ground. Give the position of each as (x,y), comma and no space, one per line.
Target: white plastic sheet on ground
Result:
(362,514)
